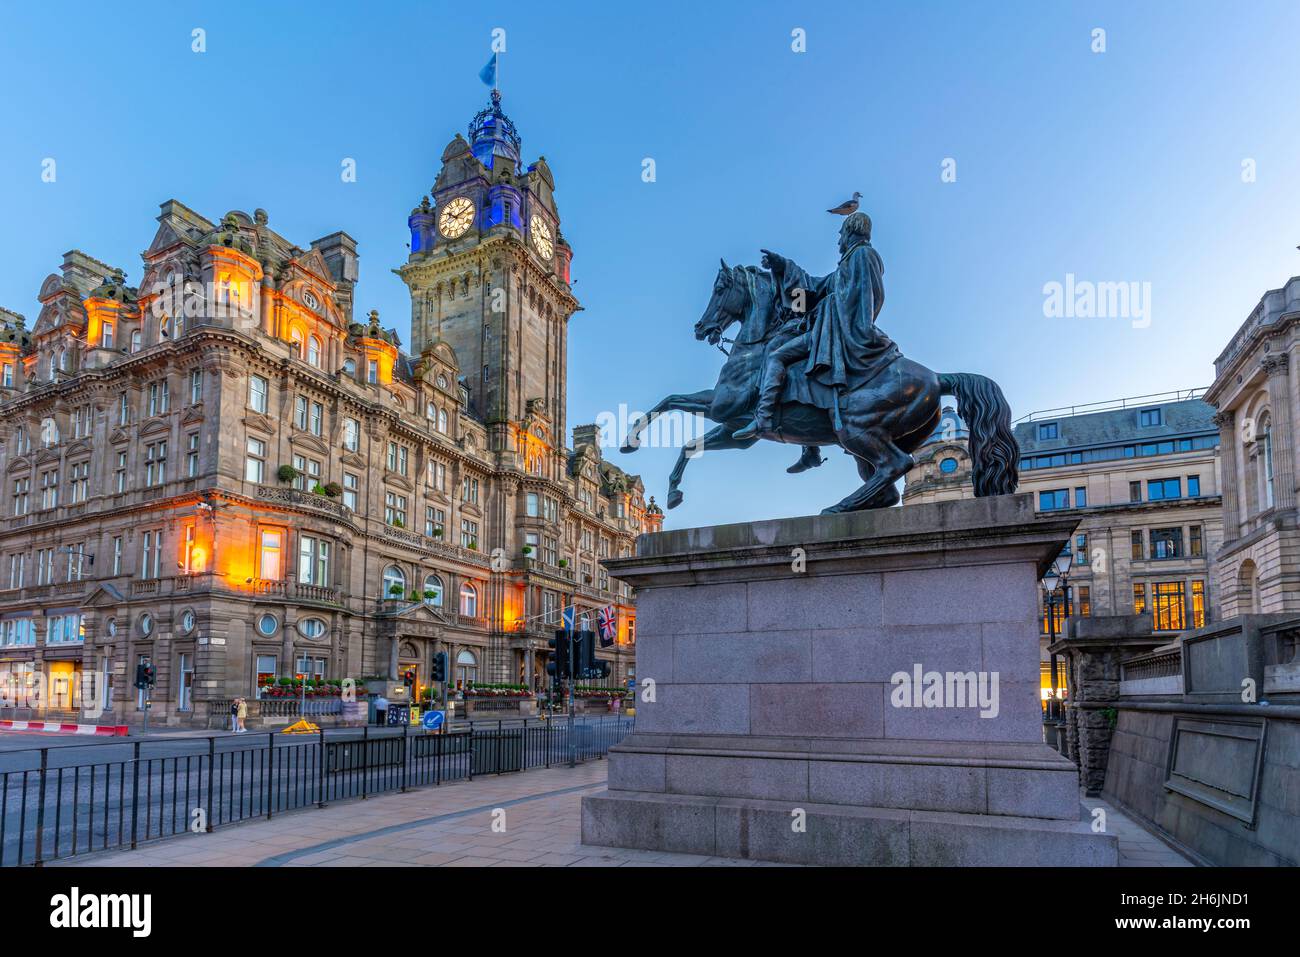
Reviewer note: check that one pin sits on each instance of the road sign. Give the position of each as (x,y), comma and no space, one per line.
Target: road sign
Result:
(432,720)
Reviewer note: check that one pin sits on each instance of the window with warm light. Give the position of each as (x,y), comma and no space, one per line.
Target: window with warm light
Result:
(270,549)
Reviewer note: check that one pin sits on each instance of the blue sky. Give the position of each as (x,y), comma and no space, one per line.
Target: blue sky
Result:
(1117,166)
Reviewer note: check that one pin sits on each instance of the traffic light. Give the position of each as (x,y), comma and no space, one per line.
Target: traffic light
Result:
(408,678)
(150,675)
(440,666)
(142,675)
(558,666)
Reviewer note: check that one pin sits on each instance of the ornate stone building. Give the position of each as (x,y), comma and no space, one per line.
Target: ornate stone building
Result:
(1141,475)
(1257,396)
(224,470)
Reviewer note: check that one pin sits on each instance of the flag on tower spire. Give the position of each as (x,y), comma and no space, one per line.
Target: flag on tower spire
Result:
(489,73)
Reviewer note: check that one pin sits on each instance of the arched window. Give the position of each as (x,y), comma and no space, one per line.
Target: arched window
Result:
(135,340)
(433,591)
(350,367)
(466,668)
(1268,465)
(49,432)
(394,582)
(1247,592)
(54,366)
(164,328)
(295,340)
(468,600)
(442,421)
(314,351)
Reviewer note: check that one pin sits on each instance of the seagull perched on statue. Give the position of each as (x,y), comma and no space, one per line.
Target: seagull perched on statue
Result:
(844,209)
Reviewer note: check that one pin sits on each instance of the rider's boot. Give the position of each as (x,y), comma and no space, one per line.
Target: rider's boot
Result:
(811,458)
(774,378)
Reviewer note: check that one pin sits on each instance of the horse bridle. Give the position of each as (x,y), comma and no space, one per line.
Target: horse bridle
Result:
(731,288)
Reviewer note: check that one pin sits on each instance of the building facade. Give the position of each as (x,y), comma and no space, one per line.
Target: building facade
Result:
(1258,399)
(224,471)
(1141,475)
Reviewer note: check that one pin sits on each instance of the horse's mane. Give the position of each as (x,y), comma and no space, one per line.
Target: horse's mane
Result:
(760,287)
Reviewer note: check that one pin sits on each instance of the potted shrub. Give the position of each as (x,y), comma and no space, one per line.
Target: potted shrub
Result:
(332,489)
(528,549)
(437,532)
(430,594)
(395,590)
(414,595)
(473,545)
(563,563)
(287,473)
(318,489)
(397,523)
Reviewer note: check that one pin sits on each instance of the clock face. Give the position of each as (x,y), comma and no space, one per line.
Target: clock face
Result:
(456,217)
(541,234)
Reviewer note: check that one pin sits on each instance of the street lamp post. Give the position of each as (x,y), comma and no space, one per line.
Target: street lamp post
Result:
(1053,582)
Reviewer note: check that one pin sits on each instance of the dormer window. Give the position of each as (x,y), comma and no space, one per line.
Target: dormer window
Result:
(1149,417)
(106,336)
(1047,430)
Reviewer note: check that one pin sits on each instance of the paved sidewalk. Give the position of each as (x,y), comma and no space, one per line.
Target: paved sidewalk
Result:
(1138,847)
(536,814)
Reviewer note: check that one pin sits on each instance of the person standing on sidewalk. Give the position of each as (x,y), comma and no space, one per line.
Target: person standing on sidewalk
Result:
(240,715)
(234,714)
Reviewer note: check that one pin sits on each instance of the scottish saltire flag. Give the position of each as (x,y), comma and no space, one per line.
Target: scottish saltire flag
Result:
(607,622)
(489,73)
(567,617)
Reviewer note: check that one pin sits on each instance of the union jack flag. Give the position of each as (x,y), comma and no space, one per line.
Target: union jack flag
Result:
(607,622)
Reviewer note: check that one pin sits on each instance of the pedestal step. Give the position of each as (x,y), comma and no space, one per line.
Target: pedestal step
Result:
(837,835)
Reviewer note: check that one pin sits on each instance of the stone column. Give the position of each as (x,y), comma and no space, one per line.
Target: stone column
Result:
(1094,648)
(1282,432)
(1229,446)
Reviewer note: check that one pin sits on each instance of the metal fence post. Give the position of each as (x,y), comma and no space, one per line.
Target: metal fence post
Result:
(40,807)
(320,770)
(135,793)
(270,774)
(212,767)
(365,759)
(406,737)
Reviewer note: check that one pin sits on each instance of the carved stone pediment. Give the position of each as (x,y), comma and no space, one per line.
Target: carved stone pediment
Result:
(307,441)
(193,413)
(353,459)
(158,424)
(263,423)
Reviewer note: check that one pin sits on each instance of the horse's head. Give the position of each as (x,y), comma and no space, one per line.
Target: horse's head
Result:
(729,303)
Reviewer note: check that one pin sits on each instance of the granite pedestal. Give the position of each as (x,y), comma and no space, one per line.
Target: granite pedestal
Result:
(779,715)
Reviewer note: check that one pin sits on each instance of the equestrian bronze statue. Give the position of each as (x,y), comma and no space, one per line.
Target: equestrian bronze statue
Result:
(810,366)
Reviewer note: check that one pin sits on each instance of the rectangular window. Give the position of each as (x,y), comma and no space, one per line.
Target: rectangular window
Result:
(1053,499)
(155,463)
(1198,603)
(350,486)
(267,671)
(549,552)
(196,386)
(80,481)
(1080,498)
(22,489)
(532,509)
(159,398)
(1149,417)
(1139,598)
(1138,551)
(123,409)
(192,454)
(1159,490)
(1168,606)
(1166,543)
(1081,549)
(435,521)
(351,434)
(468,533)
(469,491)
(1047,430)
(8,381)
(300,412)
(1083,600)
(313,561)
(255,461)
(151,554)
(372,371)
(1194,546)
(16,563)
(117,555)
(1135,491)
(317,423)
(257,393)
(395,509)
(49,489)
(1193,486)
(271,546)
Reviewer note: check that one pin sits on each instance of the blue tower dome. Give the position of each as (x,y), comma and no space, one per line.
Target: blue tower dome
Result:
(492,135)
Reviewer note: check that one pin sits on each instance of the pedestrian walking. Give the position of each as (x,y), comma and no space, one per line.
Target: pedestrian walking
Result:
(240,715)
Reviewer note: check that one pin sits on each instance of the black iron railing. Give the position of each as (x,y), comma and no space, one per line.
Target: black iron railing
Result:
(52,808)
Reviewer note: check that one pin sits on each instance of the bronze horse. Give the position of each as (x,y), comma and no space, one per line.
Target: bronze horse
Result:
(880,423)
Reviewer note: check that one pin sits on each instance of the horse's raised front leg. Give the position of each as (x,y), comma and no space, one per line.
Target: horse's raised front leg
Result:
(714,439)
(696,403)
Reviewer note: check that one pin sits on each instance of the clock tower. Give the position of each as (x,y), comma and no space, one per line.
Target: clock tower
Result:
(489,276)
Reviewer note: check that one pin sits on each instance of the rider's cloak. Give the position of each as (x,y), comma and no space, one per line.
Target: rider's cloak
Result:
(846,349)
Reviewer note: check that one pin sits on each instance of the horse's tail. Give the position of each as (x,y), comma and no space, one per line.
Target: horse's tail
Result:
(993,448)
